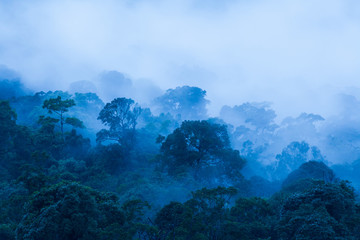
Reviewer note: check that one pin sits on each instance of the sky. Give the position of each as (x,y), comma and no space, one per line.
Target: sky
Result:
(296,54)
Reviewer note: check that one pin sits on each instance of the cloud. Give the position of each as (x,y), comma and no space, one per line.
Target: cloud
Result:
(296,54)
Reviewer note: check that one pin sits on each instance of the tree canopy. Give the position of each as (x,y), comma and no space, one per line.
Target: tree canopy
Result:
(156,177)
(189,103)
(120,115)
(200,145)
(59,107)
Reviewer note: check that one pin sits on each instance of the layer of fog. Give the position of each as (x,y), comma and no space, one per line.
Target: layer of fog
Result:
(295,54)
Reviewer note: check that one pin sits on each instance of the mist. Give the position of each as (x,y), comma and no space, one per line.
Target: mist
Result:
(296,58)
(182,119)
(297,55)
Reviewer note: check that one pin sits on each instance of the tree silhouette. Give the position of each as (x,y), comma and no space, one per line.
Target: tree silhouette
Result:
(59,107)
(121,116)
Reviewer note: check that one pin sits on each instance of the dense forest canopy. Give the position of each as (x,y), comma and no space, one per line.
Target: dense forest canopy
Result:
(74,167)
(179,120)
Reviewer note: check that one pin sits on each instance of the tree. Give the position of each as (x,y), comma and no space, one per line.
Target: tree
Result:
(121,116)
(11,88)
(201,217)
(32,177)
(295,154)
(174,220)
(322,211)
(259,115)
(59,107)
(75,122)
(7,126)
(47,139)
(29,108)
(200,145)
(311,169)
(76,145)
(110,158)
(87,106)
(187,102)
(72,211)
(250,218)
(15,141)
(209,207)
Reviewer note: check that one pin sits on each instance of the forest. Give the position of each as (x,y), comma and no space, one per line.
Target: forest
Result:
(73,166)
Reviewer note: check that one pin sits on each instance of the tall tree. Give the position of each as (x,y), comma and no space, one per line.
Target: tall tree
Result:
(121,116)
(59,107)
(7,124)
(292,156)
(201,145)
(187,102)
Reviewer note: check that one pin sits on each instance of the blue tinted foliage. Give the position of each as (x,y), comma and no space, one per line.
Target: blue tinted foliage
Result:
(188,103)
(156,175)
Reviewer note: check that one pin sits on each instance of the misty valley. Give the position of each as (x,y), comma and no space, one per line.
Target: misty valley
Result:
(115,160)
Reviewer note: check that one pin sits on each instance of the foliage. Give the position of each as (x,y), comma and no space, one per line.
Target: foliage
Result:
(15,141)
(202,147)
(250,218)
(293,156)
(71,211)
(188,103)
(7,125)
(59,107)
(76,145)
(201,217)
(109,158)
(258,115)
(322,212)
(174,220)
(121,116)
(11,88)
(47,139)
(168,181)
(311,169)
(74,122)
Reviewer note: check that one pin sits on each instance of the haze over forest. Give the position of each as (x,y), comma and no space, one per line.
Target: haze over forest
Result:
(297,55)
(187,119)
